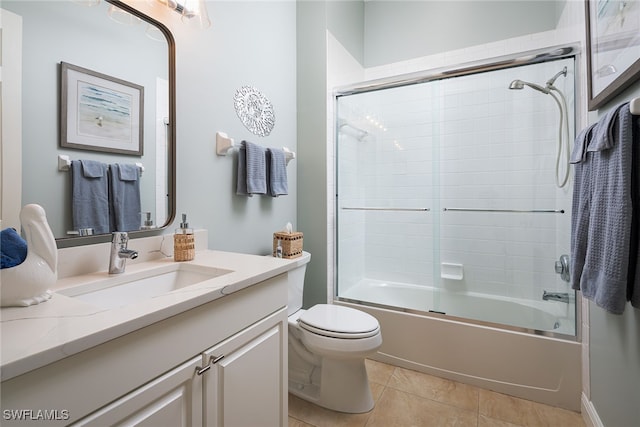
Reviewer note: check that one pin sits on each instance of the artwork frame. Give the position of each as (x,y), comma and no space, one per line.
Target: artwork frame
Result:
(613,48)
(99,112)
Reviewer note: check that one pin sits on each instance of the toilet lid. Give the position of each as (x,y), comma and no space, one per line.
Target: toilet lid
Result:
(339,322)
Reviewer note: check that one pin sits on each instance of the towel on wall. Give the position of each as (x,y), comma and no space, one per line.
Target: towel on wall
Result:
(633,285)
(125,197)
(579,153)
(277,172)
(13,248)
(606,131)
(241,179)
(90,196)
(251,169)
(602,215)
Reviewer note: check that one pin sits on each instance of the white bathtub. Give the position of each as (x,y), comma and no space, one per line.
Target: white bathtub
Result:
(550,316)
(521,363)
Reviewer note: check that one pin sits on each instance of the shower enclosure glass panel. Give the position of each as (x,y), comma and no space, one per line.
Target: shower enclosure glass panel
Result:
(447,198)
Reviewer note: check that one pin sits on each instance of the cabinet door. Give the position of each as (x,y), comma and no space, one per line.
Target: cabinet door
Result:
(173,399)
(247,386)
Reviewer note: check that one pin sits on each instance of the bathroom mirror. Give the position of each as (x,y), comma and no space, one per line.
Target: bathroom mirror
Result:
(113,39)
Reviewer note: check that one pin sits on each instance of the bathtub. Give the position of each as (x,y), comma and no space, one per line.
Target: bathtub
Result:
(526,359)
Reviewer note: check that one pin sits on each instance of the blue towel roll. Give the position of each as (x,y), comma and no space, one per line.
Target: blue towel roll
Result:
(13,248)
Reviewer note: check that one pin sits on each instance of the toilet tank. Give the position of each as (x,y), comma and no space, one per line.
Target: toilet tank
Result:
(296,284)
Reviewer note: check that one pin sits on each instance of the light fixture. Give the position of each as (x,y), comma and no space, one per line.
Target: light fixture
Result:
(194,12)
(87,3)
(122,16)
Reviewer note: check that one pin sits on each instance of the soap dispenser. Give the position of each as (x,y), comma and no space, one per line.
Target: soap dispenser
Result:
(184,242)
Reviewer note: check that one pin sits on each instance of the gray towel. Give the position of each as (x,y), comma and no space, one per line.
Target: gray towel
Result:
(241,179)
(633,286)
(579,153)
(90,196)
(606,131)
(278,185)
(601,220)
(125,197)
(255,168)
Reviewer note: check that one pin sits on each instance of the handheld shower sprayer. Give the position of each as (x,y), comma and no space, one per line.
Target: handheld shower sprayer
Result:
(564,120)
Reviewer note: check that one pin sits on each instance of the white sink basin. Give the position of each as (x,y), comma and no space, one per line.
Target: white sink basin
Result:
(118,291)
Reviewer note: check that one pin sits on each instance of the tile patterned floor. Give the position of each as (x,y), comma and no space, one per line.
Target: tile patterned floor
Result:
(408,398)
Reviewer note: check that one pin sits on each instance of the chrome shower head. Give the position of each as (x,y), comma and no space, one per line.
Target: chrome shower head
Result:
(519,84)
(552,80)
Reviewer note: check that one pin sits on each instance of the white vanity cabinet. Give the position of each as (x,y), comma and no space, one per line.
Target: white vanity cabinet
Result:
(174,399)
(244,386)
(164,374)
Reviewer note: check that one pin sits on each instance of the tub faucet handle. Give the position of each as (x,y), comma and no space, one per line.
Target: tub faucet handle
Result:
(562,268)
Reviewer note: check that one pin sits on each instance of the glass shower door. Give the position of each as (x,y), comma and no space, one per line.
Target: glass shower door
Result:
(385,242)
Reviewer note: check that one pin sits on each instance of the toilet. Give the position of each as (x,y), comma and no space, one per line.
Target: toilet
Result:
(327,347)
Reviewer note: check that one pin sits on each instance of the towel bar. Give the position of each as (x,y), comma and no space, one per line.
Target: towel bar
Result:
(225,145)
(386,209)
(634,106)
(64,163)
(560,211)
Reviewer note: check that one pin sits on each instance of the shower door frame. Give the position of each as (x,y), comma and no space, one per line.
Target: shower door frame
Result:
(459,70)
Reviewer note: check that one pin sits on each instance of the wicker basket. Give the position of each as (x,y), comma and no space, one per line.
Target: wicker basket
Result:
(291,244)
(184,247)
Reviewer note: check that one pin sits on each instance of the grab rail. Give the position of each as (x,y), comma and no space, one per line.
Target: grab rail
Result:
(385,209)
(560,211)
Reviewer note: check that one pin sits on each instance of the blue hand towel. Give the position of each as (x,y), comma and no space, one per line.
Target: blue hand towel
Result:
(633,284)
(579,153)
(605,133)
(241,179)
(125,197)
(601,220)
(90,196)
(13,248)
(255,168)
(278,185)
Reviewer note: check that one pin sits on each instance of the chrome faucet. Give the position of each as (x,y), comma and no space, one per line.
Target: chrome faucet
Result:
(555,296)
(119,252)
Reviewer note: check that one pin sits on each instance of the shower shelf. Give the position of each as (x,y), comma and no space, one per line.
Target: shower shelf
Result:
(560,211)
(387,209)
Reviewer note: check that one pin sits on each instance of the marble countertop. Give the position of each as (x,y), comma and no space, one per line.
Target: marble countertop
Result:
(35,336)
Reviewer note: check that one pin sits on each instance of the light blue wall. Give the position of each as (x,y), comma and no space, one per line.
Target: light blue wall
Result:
(249,43)
(399,30)
(312,134)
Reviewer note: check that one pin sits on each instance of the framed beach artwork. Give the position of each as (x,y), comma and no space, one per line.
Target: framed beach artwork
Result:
(613,48)
(99,112)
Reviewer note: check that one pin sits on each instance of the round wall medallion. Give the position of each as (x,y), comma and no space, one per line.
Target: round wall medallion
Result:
(254,110)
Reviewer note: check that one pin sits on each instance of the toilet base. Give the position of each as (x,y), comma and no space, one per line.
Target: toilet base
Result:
(344,387)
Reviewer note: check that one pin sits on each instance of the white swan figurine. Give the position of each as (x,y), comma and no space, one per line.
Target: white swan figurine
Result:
(28,283)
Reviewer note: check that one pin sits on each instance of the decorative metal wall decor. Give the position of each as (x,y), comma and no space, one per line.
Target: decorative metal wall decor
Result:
(254,110)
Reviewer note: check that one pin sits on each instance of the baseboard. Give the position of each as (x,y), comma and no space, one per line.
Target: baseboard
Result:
(589,414)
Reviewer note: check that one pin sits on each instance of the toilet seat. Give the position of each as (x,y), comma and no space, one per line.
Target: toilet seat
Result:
(339,322)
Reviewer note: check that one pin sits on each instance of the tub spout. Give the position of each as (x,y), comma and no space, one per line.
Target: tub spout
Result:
(555,296)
